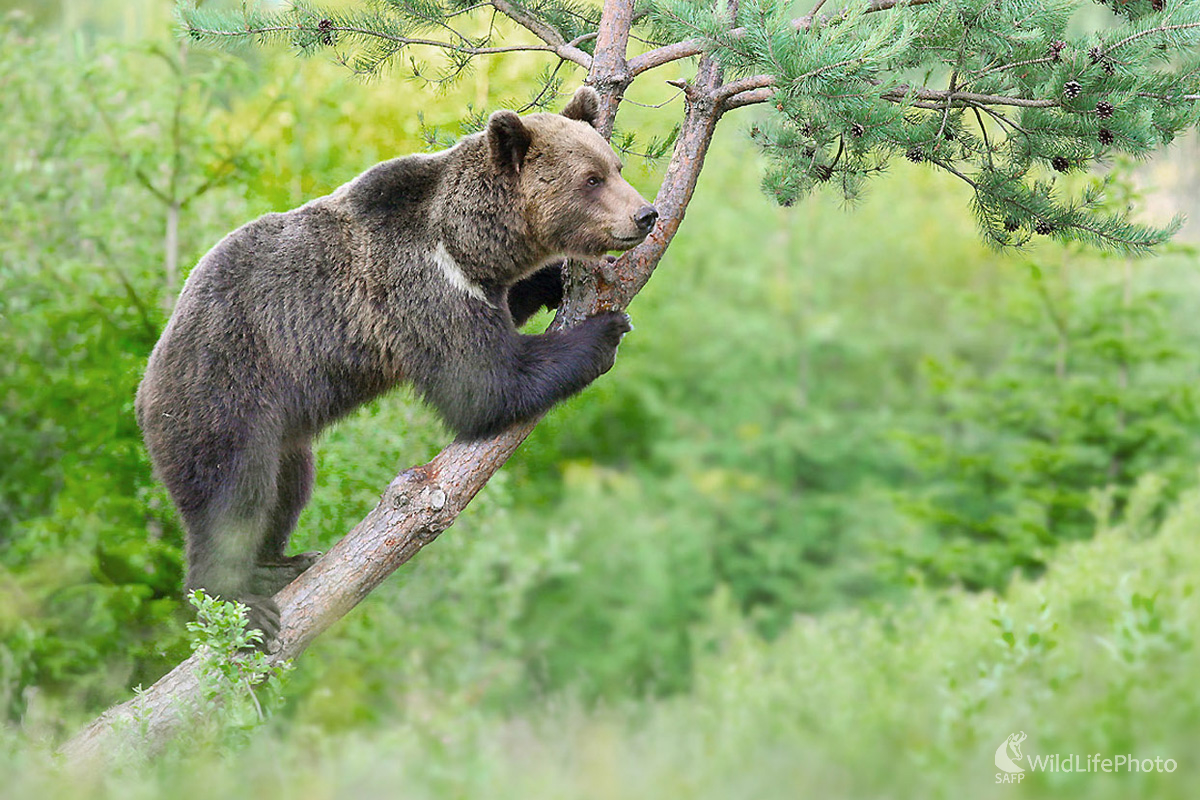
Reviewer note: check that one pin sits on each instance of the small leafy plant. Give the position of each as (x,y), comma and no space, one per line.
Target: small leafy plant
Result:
(233,671)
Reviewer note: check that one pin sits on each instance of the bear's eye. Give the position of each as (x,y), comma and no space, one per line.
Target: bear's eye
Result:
(595,180)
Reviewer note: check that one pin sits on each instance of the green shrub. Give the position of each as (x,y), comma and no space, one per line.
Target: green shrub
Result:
(1094,389)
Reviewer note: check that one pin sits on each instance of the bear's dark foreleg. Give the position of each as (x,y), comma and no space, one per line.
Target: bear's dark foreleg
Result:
(542,289)
(541,371)
(273,570)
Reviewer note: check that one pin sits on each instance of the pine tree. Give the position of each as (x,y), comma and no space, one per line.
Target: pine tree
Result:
(1012,92)
(1003,94)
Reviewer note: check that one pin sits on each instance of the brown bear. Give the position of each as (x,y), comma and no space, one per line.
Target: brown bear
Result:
(421,269)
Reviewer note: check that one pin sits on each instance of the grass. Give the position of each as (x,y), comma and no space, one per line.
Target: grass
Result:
(1098,656)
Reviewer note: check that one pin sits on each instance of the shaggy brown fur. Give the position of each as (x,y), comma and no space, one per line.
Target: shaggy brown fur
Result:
(418,270)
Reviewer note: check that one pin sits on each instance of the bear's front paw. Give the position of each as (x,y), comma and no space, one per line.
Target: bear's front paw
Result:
(610,327)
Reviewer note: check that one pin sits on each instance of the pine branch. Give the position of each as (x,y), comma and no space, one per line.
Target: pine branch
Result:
(569,51)
(266,30)
(1185,98)
(948,98)
(747,98)
(1149,32)
(1029,62)
(746,84)
(385,32)
(688,48)
(843,106)
(959,98)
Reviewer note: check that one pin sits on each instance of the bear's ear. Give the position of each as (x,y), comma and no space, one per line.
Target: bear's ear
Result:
(584,106)
(508,139)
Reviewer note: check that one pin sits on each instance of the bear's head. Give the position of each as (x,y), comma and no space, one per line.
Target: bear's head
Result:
(574,200)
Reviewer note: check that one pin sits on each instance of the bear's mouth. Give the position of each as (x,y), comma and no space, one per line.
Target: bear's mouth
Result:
(629,241)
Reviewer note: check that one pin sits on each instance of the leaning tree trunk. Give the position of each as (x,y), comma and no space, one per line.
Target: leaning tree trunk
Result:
(425,500)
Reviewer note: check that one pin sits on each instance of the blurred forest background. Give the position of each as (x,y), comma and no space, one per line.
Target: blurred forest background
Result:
(860,499)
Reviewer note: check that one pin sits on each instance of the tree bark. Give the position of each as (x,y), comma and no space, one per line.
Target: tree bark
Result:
(424,500)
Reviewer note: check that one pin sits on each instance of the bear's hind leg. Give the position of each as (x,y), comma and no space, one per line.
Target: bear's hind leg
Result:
(273,570)
(226,533)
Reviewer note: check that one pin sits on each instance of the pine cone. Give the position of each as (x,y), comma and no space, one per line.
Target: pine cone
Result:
(915,155)
(1056,48)
(1096,54)
(1105,109)
(1060,163)
(1044,228)
(1072,89)
(1106,136)
(857,130)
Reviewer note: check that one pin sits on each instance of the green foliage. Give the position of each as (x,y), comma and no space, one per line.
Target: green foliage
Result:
(1095,390)
(1097,656)
(90,553)
(168,137)
(81,578)
(849,97)
(428,35)
(232,671)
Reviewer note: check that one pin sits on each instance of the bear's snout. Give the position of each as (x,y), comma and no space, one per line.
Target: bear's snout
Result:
(645,218)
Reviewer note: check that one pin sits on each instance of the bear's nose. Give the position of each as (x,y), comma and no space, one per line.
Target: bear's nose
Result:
(645,218)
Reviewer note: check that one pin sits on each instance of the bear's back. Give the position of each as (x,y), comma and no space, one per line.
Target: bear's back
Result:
(308,297)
